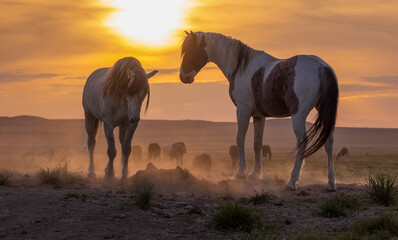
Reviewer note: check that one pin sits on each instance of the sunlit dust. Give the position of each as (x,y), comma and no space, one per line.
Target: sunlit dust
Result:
(149,22)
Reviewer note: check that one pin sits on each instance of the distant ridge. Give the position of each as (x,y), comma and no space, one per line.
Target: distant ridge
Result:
(282,122)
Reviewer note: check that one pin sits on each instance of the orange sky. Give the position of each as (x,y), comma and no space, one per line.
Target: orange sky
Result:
(48,48)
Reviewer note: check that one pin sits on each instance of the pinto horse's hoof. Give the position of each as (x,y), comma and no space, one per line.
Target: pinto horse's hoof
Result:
(331,186)
(291,185)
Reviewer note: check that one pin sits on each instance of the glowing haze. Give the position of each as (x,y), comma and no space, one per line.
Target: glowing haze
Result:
(48,48)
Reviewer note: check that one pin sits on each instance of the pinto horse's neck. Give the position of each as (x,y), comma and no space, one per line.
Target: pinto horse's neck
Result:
(228,54)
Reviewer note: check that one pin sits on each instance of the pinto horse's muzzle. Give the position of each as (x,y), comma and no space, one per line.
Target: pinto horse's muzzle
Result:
(187,78)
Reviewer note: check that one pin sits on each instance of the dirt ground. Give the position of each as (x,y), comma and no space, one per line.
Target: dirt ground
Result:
(184,200)
(181,209)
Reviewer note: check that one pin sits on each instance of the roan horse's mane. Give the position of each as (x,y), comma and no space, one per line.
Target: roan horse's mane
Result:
(243,52)
(117,78)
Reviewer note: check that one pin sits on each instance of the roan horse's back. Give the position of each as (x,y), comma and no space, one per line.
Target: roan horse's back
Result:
(92,91)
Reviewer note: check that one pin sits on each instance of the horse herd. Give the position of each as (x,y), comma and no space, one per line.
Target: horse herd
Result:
(260,86)
(174,153)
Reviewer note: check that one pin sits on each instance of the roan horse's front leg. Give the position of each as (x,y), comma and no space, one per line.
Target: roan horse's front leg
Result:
(243,117)
(259,123)
(109,171)
(126,149)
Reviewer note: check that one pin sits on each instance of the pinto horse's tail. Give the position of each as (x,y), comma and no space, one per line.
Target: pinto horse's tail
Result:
(325,121)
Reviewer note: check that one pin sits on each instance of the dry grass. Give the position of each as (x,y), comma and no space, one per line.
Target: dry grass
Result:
(143,194)
(57,176)
(338,206)
(5,176)
(234,216)
(382,189)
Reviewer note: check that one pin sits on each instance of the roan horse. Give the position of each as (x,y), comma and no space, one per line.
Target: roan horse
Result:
(262,86)
(114,96)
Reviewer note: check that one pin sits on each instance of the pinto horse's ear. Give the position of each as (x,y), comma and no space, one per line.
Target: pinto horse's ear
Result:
(186,32)
(131,75)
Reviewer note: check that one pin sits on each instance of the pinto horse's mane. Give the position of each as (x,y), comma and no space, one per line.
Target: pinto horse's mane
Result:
(118,77)
(243,52)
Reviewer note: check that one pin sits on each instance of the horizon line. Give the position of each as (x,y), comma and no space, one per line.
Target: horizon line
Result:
(277,119)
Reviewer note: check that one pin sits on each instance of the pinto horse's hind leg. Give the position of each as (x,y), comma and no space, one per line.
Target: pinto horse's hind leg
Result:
(299,131)
(259,123)
(243,116)
(126,149)
(331,175)
(91,124)
(108,129)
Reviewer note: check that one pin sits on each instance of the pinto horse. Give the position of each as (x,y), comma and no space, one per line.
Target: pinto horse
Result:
(261,85)
(114,96)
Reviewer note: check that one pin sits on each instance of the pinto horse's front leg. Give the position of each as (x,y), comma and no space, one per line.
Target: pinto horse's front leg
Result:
(126,149)
(259,123)
(243,117)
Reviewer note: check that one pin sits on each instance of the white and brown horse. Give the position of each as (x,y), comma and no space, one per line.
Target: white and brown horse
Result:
(262,86)
(114,96)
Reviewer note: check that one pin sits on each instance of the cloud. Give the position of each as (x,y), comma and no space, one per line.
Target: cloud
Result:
(175,70)
(23,77)
(362,88)
(388,81)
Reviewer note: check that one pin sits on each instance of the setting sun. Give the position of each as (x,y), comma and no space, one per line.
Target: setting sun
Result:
(150,22)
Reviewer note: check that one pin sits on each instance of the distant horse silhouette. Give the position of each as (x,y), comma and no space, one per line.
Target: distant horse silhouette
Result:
(153,151)
(41,151)
(266,150)
(136,153)
(166,151)
(177,152)
(343,152)
(233,153)
(261,85)
(114,96)
(202,162)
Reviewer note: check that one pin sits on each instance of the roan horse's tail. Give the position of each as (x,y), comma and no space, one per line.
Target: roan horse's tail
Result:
(325,121)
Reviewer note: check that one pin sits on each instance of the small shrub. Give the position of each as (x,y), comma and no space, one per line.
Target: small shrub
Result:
(230,216)
(338,206)
(5,176)
(306,235)
(143,194)
(381,189)
(264,233)
(258,198)
(382,227)
(57,176)
(71,195)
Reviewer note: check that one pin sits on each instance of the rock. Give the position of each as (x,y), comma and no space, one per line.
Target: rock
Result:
(194,210)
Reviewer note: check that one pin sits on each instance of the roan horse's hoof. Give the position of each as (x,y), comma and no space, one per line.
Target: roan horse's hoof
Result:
(109,173)
(91,175)
(255,175)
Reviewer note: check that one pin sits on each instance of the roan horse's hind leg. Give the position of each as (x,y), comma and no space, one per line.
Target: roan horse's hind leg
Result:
(299,130)
(258,143)
(91,124)
(331,175)
(109,171)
